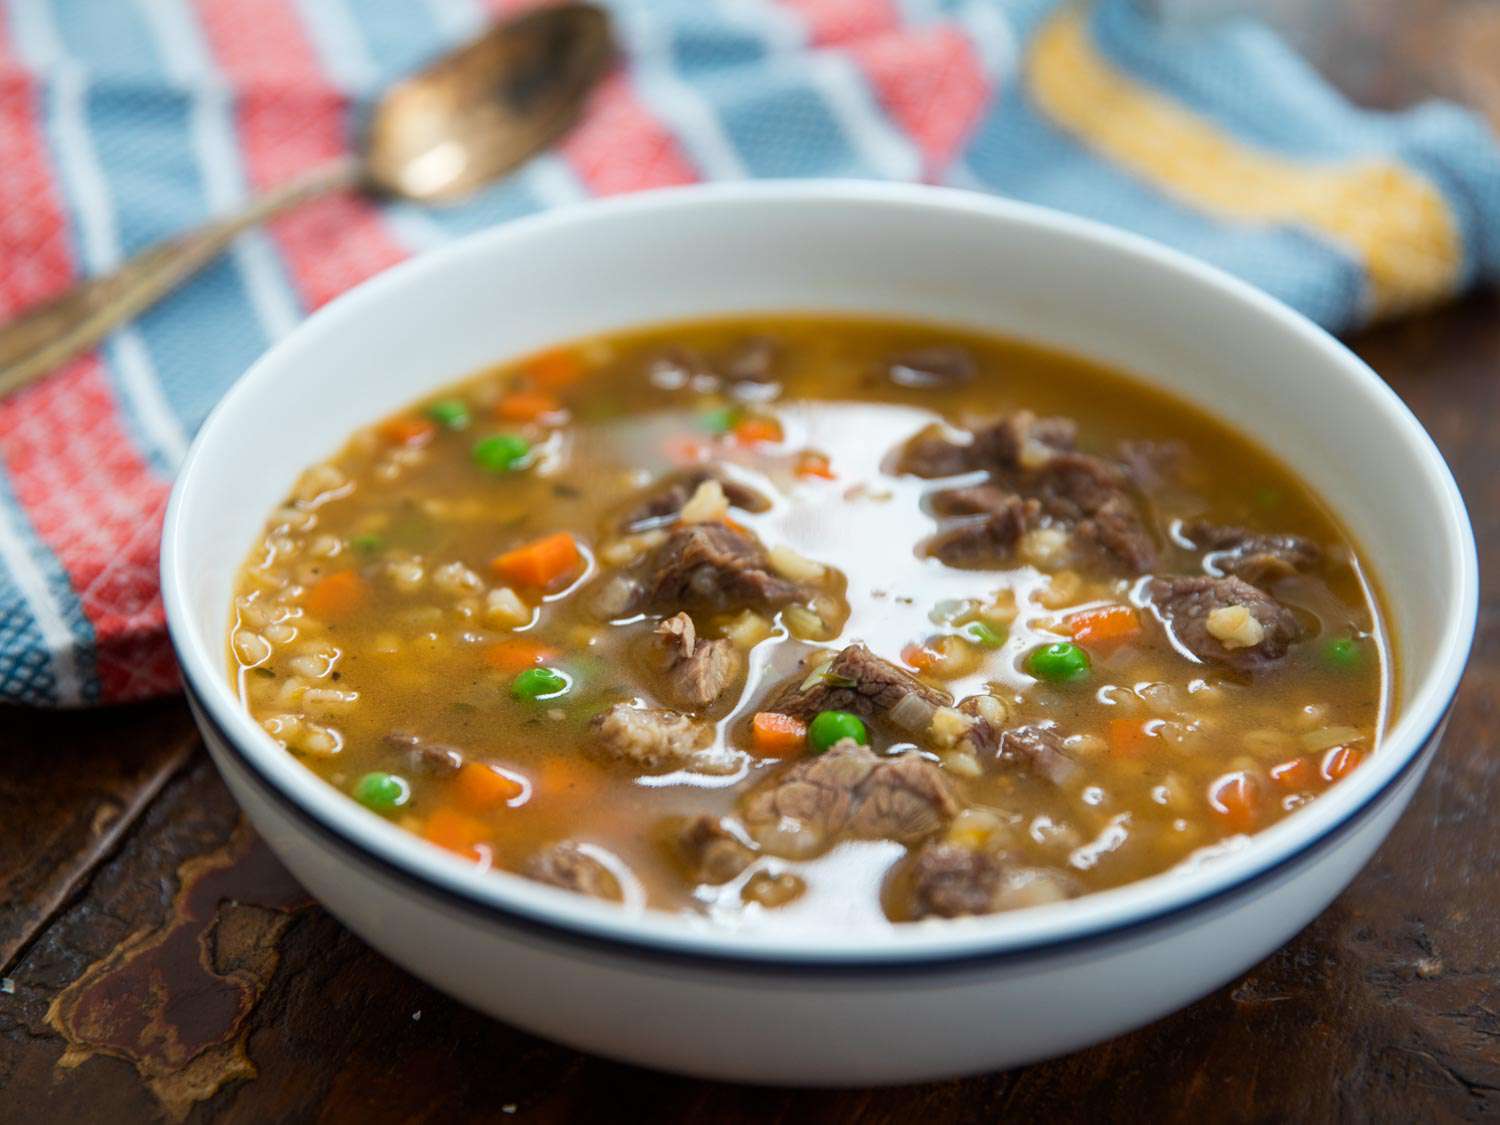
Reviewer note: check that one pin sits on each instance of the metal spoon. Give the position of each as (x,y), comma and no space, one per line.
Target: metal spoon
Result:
(467,119)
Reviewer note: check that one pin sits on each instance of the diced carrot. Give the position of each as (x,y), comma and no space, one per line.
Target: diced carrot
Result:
(919,657)
(1129,738)
(478,787)
(541,562)
(685,449)
(734,525)
(1340,762)
(1104,626)
(457,831)
(1236,797)
(814,465)
(753,430)
(337,595)
(404,430)
(526,406)
(775,735)
(518,654)
(555,369)
(1293,774)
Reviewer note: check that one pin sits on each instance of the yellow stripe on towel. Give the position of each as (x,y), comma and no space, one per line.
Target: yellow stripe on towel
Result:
(1393,220)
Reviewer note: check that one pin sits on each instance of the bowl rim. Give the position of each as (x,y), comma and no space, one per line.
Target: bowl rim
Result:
(1149,902)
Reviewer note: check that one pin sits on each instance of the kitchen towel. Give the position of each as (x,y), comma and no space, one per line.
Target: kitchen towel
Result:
(122,121)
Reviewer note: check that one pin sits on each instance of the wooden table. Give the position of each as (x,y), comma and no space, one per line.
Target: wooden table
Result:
(158,962)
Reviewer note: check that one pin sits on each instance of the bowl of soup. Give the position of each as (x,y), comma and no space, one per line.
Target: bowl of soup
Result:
(818,633)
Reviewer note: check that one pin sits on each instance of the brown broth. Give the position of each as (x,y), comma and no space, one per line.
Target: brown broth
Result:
(417,653)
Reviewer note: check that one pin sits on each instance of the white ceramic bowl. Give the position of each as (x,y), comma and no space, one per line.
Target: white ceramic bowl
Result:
(911,1003)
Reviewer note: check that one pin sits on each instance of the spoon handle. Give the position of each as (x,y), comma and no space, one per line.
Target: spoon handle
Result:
(43,338)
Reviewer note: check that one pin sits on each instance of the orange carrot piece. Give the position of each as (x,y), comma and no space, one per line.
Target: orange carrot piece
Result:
(1293,774)
(775,735)
(518,654)
(526,406)
(753,431)
(407,431)
(555,369)
(918,657)
(337,595)
(540,562)
(1104,626)
(814,466)
(457,831)
(478,787)
(1128,738)
(1339,762)
(1236,797)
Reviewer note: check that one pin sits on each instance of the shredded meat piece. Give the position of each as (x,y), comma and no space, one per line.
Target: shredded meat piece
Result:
(1014,442)
(949,881)
(848,790)
(697,671)
(987,539)
(1038,749)
(942,365)
(711,567)
(664,499)
(568,866)
(1093,496)
(1186,603)
(649,738)
(1258,558)
(425,755)
(711,851)
(859,681)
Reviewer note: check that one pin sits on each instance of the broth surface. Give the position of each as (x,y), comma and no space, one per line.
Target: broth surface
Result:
(380,627)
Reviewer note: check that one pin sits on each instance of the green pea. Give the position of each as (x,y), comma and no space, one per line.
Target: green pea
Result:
(1343,653)
(719,420)
(450,413)
(830,727)
(1059,663)
(983,634)
(539,684)
(367,544)
(501,453)
(383,792)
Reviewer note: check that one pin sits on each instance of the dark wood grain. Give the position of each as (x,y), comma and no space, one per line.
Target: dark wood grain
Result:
(163,966)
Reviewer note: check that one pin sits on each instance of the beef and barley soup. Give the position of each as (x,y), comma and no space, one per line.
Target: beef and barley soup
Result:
(813,621)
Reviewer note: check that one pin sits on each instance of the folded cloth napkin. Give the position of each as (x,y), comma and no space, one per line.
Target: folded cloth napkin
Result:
(122,123)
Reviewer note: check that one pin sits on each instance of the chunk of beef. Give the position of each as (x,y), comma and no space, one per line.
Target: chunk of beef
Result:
(949,881)
(1040,750)
(1019,441)
(941,365)
(665,498)
(988,715)
(711,850)
(423,755)
(801,810)
(974,500)
(857,680)
(848,790)
(1204,617)
(1093,496)
(569,866)
(905,798)
(697,671)
(984,540)
(649,738)
(711,567)
(1256,557)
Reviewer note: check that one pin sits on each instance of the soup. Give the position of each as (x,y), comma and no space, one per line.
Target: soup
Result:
(813,621)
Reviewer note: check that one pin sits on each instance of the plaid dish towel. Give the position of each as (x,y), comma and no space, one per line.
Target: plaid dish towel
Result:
(122,121)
